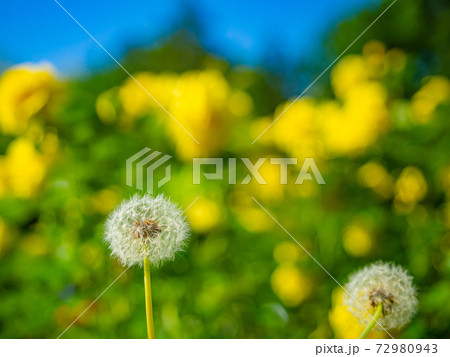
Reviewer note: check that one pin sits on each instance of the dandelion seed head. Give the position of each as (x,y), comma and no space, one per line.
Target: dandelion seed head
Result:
(384,283)
(146,227)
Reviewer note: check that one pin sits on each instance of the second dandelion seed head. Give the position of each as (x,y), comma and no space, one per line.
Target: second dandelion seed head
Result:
(386,284)
(146,227)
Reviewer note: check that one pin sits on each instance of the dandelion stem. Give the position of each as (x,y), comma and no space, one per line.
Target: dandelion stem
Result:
(372,323)
(148,299)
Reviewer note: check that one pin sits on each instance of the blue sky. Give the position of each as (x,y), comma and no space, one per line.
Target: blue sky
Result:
(241,30)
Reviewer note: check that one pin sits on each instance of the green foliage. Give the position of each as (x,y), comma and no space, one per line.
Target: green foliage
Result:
(237,279)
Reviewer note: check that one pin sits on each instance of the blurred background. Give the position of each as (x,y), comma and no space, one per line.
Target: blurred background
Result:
(376,124)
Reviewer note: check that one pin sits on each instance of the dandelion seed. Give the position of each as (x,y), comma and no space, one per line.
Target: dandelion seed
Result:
(149,230)
(146,227)
(386,289)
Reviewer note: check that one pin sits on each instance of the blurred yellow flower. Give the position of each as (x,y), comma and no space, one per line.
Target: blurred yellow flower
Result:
(352,127)
(364,117)
(374,55)
(240,104)
(296,131)
(272,190)
(104,201)
(290,284)
(425,101)
(253,219)
(410,188)
(105,106)
(49,145)
(347,73)
(298,122)
(204,215)
(23,168)
(258,125)
(5,237)
(287,252)
(24,91)
(136,102)
(375,177)
(357,240)
(342,321)
(248,214)
(35,244)
(201,101)
(200,104)
(336,127)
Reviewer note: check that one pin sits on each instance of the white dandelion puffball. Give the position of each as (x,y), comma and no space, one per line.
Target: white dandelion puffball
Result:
(384,283)
(146,227)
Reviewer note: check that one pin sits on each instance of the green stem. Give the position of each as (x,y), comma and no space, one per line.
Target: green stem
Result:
(372,323)
(148,299)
